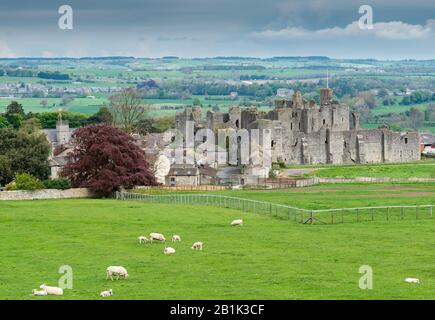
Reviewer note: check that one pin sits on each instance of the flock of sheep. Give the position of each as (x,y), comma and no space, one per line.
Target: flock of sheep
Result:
(119,272)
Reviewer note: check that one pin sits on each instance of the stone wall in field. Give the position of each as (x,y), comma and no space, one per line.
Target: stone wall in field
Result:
(45,194)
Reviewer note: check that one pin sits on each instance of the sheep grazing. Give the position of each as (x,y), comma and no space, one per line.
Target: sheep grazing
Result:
(143,239)
(107,293)
(197,246)
(157,236)
(176,237)
(117,271)
(39,292)
(169,250)
(412,280)
(238,222)
(56,291)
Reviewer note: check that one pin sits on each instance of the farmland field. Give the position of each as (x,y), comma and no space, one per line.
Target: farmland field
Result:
(331,196)
(405,170)
(81,105)
(287,261)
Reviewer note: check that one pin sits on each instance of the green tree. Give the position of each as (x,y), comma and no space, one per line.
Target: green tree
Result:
(23,152)
(197,102)
(49,119)
(102,116)
(15,108)
(31,125)
(3,122)
(15,119)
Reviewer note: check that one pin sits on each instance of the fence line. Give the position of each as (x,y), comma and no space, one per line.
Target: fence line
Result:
(289,213)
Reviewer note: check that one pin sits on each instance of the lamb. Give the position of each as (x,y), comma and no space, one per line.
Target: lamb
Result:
(197,246)
(412,280)
(169,250)
(107,293)
(176,237)
(238,222)
(56,291)
(118,271)
(39,292)
(143,239)
(157,236)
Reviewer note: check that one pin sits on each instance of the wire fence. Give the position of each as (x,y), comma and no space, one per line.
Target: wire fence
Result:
(289,213)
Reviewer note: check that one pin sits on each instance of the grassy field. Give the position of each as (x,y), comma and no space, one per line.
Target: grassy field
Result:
(286,262)
(82,105)
(330,196)
(407,170)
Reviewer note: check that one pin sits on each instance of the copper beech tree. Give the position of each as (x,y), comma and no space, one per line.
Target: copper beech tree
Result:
(104,159)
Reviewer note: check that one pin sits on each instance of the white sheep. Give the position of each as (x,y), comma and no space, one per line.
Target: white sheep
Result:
(238,222)
(118,271)
(169,250)
(197,246)
(107,293)
(143,239)
(56,291)
(176,237)
(412,280)
(39,292)
(157,236)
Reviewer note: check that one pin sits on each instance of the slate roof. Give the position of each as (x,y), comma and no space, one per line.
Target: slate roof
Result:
(427,138)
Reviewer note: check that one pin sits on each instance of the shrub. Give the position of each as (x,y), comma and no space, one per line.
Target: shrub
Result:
(11,186)
(25,181)
(60,183)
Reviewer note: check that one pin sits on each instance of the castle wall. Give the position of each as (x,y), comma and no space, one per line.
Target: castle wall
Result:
(404,147)
(303,133)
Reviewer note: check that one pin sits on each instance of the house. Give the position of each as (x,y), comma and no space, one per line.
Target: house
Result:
(183,175)
(191,175)
(427,143)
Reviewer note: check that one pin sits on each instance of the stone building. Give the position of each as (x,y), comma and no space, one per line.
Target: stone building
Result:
(191,175)
(59,137)
(305,133)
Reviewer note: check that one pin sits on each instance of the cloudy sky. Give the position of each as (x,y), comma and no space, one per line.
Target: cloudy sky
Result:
(207,28)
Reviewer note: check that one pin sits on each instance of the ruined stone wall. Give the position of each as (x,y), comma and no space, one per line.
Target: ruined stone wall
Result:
(404,148)
(303,133)
(340,118)
(216,120)
(336,150)
(314,150)
(190,114)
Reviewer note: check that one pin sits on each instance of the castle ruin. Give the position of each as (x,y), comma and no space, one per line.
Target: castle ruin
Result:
(305,133)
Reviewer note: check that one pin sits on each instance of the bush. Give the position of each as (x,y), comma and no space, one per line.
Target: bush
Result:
(11,186)
(25,181)
(60,184)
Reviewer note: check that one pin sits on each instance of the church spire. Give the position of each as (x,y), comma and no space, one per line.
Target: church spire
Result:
(59,116)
